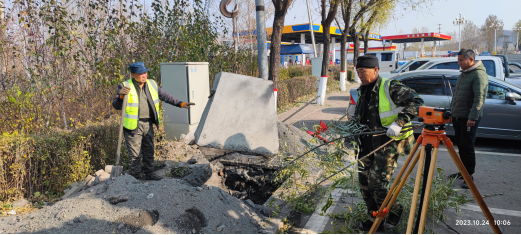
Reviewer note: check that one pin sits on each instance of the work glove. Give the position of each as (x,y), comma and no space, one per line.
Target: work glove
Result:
(394,130)
(124,91)
(186,105)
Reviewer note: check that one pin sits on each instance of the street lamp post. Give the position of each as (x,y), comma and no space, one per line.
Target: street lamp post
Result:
(517,42)
(459,21)
(495,26)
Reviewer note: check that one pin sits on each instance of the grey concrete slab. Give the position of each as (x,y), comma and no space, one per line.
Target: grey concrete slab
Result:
(241,116)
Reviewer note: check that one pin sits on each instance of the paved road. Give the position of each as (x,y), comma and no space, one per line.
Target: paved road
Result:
(514,58)
(497,172)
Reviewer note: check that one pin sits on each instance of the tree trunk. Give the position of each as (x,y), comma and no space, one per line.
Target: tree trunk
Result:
(343,53)
(356,43)
(366,41)
(276,37)
(325,56)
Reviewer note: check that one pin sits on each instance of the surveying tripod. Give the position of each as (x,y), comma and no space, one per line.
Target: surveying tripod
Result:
(433,132)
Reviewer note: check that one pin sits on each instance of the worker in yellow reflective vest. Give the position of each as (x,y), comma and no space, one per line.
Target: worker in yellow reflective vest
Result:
(383,104)
(141,113)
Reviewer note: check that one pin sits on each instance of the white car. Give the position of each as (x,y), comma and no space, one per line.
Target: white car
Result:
(410,65)
(494,65)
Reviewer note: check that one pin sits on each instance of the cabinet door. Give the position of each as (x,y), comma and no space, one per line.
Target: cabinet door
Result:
(198,90)
(174,82)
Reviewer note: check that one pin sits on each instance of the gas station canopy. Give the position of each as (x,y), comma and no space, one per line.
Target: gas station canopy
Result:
(417,37)
(296,32)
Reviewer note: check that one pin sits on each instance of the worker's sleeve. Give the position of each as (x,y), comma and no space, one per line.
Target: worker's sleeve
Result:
(165,97)
(480,89)
(117,103)
(406,97)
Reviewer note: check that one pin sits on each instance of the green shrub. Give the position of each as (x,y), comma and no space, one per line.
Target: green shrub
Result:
(290,90)
(293,72)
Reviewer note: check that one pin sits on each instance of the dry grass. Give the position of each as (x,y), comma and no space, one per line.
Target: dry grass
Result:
(43,165)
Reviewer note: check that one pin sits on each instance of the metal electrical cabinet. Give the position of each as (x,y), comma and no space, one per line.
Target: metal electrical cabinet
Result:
(188,82)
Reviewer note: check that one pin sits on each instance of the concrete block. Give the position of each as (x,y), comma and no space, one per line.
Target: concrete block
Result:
(240,116)
(72,191)
(108,168)
(104,177)
(88,179)
(100,172)
(19,203)
(190,137)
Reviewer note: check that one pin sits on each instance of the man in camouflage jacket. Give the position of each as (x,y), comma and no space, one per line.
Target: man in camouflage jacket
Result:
(376,170)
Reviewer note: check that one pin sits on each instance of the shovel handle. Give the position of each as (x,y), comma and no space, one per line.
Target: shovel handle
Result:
(120,136)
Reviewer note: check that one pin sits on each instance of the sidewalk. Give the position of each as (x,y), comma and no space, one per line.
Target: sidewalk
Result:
(334,108)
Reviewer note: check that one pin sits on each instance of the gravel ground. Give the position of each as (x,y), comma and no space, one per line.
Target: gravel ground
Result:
(126,205)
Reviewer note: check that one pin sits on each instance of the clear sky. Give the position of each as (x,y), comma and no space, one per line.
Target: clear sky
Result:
(442,12)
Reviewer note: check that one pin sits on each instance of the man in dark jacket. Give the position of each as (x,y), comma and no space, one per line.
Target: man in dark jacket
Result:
(382,104)
(467,107)
(141,112)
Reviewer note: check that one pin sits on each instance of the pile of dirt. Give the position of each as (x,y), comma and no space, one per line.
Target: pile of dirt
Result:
(126,205)
(175,151)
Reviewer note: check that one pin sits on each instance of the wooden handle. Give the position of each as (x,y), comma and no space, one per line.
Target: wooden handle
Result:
(425,207)
(120,136)
(416,190)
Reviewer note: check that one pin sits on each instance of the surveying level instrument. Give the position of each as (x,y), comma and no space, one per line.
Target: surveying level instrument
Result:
(433,132)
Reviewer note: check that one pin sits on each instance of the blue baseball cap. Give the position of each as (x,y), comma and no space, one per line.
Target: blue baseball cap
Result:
(138,67)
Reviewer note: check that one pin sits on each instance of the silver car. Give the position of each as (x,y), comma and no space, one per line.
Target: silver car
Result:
(411,65)
(502,109)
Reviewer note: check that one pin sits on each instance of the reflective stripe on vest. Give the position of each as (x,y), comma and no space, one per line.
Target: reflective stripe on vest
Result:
(132,110)
(387,109)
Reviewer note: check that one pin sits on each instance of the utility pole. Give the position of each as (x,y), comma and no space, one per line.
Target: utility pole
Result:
(262,49)
(439,28)
(495,26)
(311,30)
(517,42)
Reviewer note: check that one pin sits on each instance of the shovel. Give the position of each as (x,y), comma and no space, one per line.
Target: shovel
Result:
(117,170)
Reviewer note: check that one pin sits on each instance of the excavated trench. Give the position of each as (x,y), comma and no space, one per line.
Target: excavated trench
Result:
(252,183)
(249,177)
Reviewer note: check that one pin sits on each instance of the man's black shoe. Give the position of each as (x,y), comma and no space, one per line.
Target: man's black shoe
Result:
(152,176)
(366,225)
(464,185)
(456,176)
(394,217)
(137,176)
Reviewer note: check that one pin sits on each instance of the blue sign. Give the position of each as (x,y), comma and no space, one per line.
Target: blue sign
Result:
(383,41)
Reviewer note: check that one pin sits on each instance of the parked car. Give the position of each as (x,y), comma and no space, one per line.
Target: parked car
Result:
(388,60)
(495,66)
(485,53)
(453,54)
(410,65)
(502,109)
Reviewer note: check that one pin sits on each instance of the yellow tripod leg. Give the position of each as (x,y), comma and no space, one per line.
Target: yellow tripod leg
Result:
(425,206)
(416,189)
(471,185)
